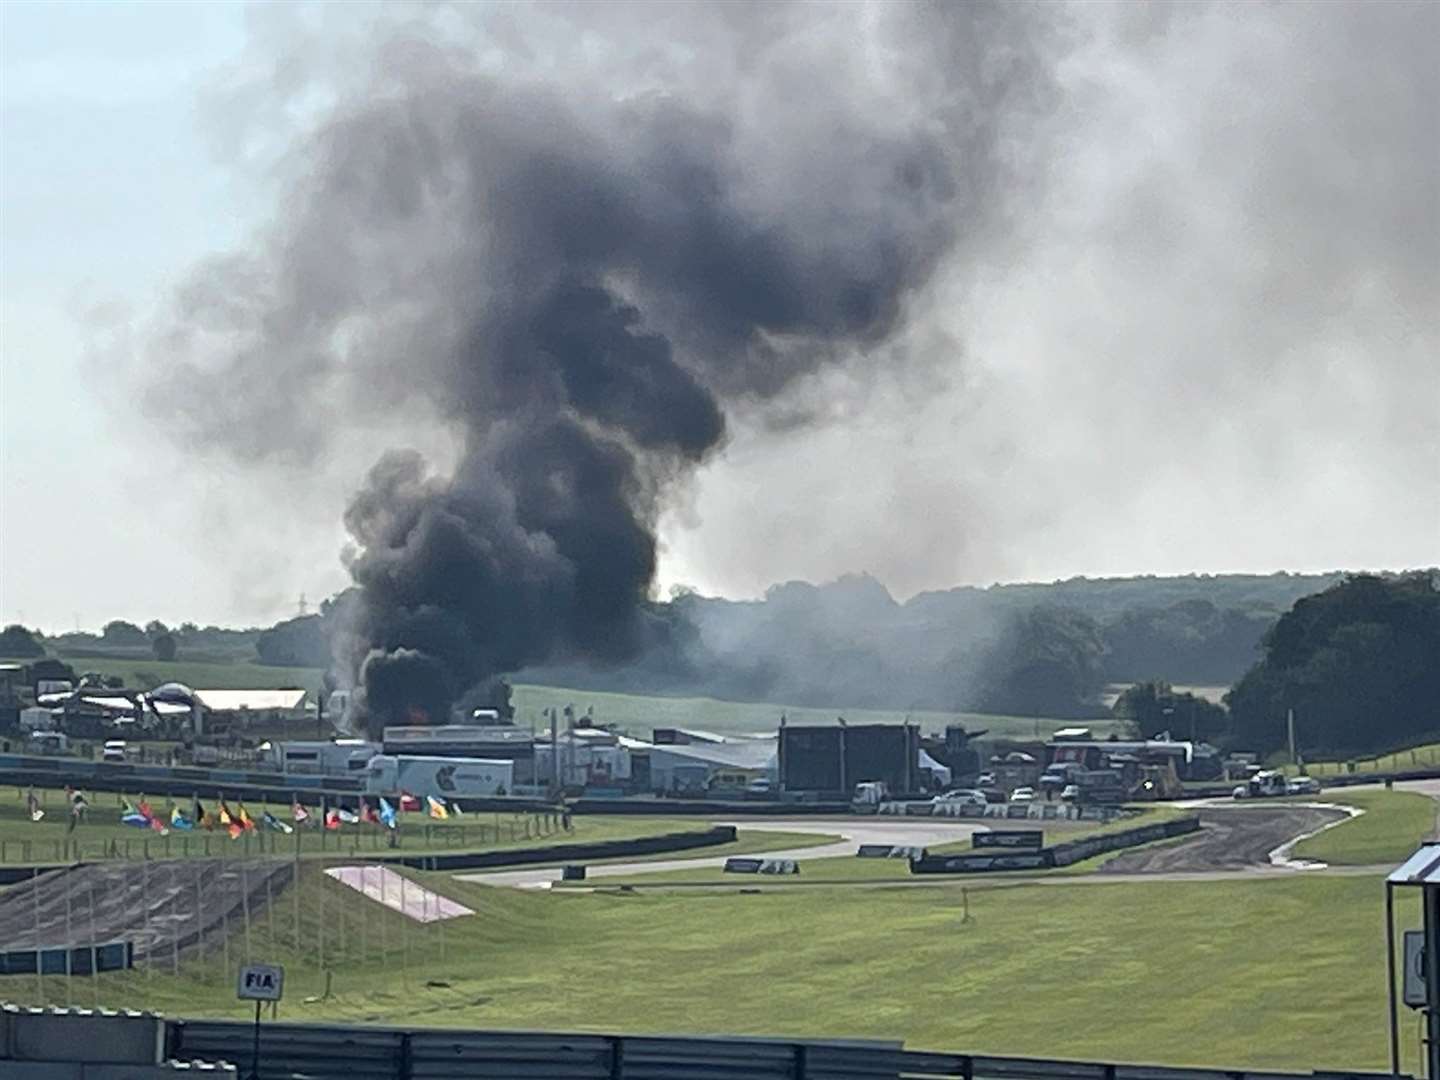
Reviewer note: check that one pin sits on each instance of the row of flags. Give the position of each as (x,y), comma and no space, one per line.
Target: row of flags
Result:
(239,821)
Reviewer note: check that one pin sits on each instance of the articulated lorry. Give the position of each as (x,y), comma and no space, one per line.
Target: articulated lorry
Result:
(443,777)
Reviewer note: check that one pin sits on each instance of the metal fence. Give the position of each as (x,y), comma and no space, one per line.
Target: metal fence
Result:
(316,1052)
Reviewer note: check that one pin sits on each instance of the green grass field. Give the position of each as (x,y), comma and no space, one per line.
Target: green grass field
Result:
(1392,827)
(198,674)
(636,713)
(1418,757)
(1282,973)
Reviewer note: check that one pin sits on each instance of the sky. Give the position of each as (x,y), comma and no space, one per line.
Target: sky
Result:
(1195,329)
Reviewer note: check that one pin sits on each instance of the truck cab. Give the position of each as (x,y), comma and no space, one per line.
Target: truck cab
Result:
(869,795)
(1268,783)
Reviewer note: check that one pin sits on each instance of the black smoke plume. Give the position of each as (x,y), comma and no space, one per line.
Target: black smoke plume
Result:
(580,285)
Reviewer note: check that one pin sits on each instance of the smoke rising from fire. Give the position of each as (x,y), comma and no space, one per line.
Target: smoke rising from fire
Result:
(580,282)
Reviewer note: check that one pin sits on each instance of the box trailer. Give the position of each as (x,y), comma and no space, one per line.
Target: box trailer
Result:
(446,777)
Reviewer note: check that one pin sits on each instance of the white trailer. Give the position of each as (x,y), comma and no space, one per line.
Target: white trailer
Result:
(444,777)
(339,757)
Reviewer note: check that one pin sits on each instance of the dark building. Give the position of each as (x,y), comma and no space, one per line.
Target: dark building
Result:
(832,759)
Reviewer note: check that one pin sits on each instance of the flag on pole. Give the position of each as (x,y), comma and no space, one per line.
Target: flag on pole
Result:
(347,817)
(272,822)
(228,822)
(332,819)
(153,819)
(300,815)
(409,802)
(243,817)
(32,806)
(178,820)
(130,816)
(367,812)
(387,814)
(437,806)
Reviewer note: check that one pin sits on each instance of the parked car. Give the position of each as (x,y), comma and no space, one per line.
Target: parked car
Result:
(759,786)
(1023,794)
(1303,785)
(985,779)
(961,797)
(1071,792)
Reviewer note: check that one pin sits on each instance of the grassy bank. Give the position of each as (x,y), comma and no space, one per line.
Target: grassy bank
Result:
(1292,969)
(1392,826)
(1418,757)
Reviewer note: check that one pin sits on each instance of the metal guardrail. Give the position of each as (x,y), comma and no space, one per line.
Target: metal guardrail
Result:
(316,1052)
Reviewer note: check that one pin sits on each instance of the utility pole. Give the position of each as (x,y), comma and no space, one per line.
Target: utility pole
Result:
(1290,728)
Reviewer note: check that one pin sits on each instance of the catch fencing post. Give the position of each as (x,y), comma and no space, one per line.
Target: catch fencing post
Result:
(800,1064)
(35,904)
(94,951)
(145,915)
(69,954)
(617,1057)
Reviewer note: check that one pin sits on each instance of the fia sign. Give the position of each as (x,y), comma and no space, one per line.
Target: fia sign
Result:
(260,982)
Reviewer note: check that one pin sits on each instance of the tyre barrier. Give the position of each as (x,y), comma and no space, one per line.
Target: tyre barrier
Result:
(741,864)
(1064,854)
(1042,811)
(1010,838)
(891,851)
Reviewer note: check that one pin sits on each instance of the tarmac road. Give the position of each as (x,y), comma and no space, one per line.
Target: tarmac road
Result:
(1228,847)
(911,831)
(1230,838)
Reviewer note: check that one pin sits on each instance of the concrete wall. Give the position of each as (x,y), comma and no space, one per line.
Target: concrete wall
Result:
(81,1044)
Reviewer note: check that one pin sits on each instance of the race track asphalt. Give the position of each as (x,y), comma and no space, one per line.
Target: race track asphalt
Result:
(902,831)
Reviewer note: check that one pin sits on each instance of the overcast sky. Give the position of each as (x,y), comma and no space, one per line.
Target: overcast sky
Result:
(1207,342)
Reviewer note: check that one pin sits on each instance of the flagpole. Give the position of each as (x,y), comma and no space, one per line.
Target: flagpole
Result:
(383,870)
(404,930)
(320,907)
(199,922)
(175,922)
(364,918)
(269,909)
(145,916)
(69,952)
(224,924)
(35,906)
(295,881)
(245,903)
(94,951)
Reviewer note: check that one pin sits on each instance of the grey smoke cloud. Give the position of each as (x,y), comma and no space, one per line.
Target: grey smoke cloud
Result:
(581,281)
(1210,345)
(955,293)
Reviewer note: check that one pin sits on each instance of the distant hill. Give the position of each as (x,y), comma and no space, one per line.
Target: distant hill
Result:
(1038,649)
(849,642)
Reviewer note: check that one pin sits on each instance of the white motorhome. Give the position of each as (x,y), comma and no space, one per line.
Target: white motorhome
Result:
(444,777)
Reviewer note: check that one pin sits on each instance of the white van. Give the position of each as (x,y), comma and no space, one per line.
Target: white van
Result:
(114,750)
